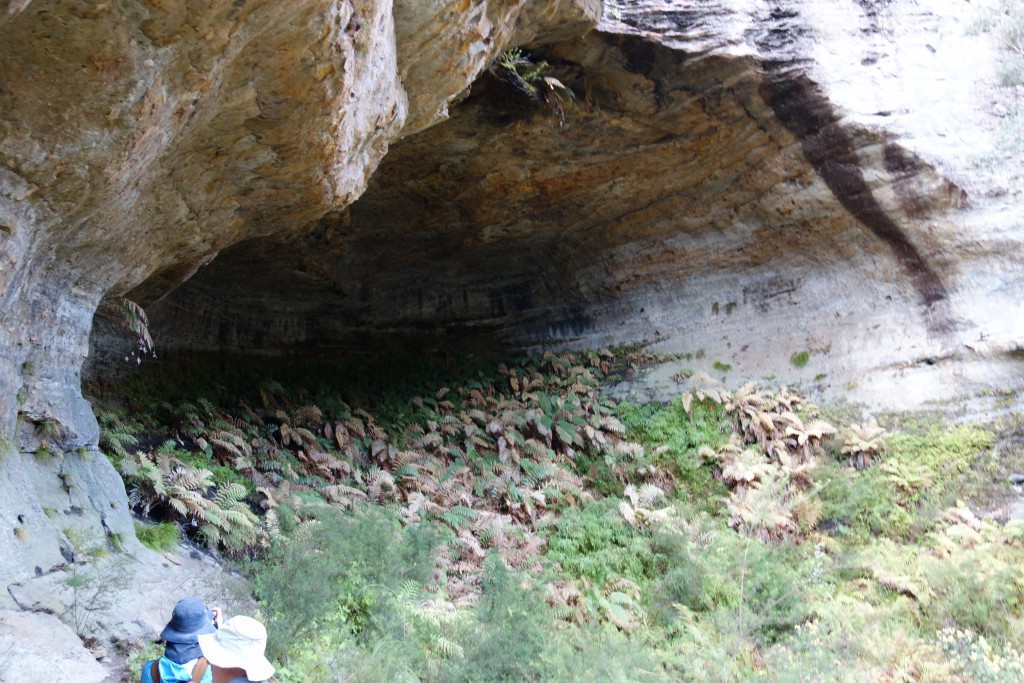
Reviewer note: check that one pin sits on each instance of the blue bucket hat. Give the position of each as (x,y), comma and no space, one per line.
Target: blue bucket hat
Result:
(190,619)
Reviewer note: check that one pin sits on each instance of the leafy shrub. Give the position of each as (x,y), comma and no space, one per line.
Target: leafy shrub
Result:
(743,585)
(974,574)
(94,580)
(860,503)
(138,657)
(332,570)
(600,654)
(509,634)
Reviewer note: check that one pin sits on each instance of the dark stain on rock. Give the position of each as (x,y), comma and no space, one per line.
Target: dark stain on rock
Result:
(507,299)
(807,113)
(904,168)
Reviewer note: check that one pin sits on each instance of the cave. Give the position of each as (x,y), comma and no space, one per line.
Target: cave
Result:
(791,192)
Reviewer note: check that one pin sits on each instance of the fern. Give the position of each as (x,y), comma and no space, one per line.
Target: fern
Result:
(458,517)
(130,317)
(117,434)
(308,414)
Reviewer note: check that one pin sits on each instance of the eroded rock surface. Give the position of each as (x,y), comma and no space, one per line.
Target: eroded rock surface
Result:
(741,183)
(38,647)
(138,139)
(805,189)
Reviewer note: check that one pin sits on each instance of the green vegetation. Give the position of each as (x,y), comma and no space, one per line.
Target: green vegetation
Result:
(721,367)
(799,359)
(139,657)
(92,580)
(1009,27)
(160,537)
(533,79)
(513,523)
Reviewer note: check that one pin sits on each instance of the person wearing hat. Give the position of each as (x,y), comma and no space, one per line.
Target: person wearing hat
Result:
(235,651)
(191,619)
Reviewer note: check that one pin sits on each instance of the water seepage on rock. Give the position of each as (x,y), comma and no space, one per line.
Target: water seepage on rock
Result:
(35,646)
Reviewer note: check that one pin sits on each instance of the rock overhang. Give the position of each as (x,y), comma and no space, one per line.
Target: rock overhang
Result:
(699,195)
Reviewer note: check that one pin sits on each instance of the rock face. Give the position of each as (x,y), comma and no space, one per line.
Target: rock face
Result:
(138,139)
(748,184)
(798,188)
(38,647)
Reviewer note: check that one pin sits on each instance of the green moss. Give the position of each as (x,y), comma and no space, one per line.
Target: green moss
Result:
(800,359)
(721,367)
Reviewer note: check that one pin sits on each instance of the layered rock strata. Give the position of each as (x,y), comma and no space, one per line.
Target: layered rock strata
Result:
(140,138)
(803,189)
(719,188)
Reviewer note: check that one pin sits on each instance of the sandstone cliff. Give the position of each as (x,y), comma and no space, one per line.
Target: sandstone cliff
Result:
(744,181)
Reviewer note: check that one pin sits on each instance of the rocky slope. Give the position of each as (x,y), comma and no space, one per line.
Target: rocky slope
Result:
(742,181)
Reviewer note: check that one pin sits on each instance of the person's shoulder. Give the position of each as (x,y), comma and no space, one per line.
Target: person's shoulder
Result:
(172,672)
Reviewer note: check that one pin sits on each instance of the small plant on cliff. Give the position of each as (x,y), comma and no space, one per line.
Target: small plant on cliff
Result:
(533,80)
(131,319)
(160,537)
(93,579)
(1010,28)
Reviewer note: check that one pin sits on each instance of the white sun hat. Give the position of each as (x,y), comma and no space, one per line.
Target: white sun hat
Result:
(239,643)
